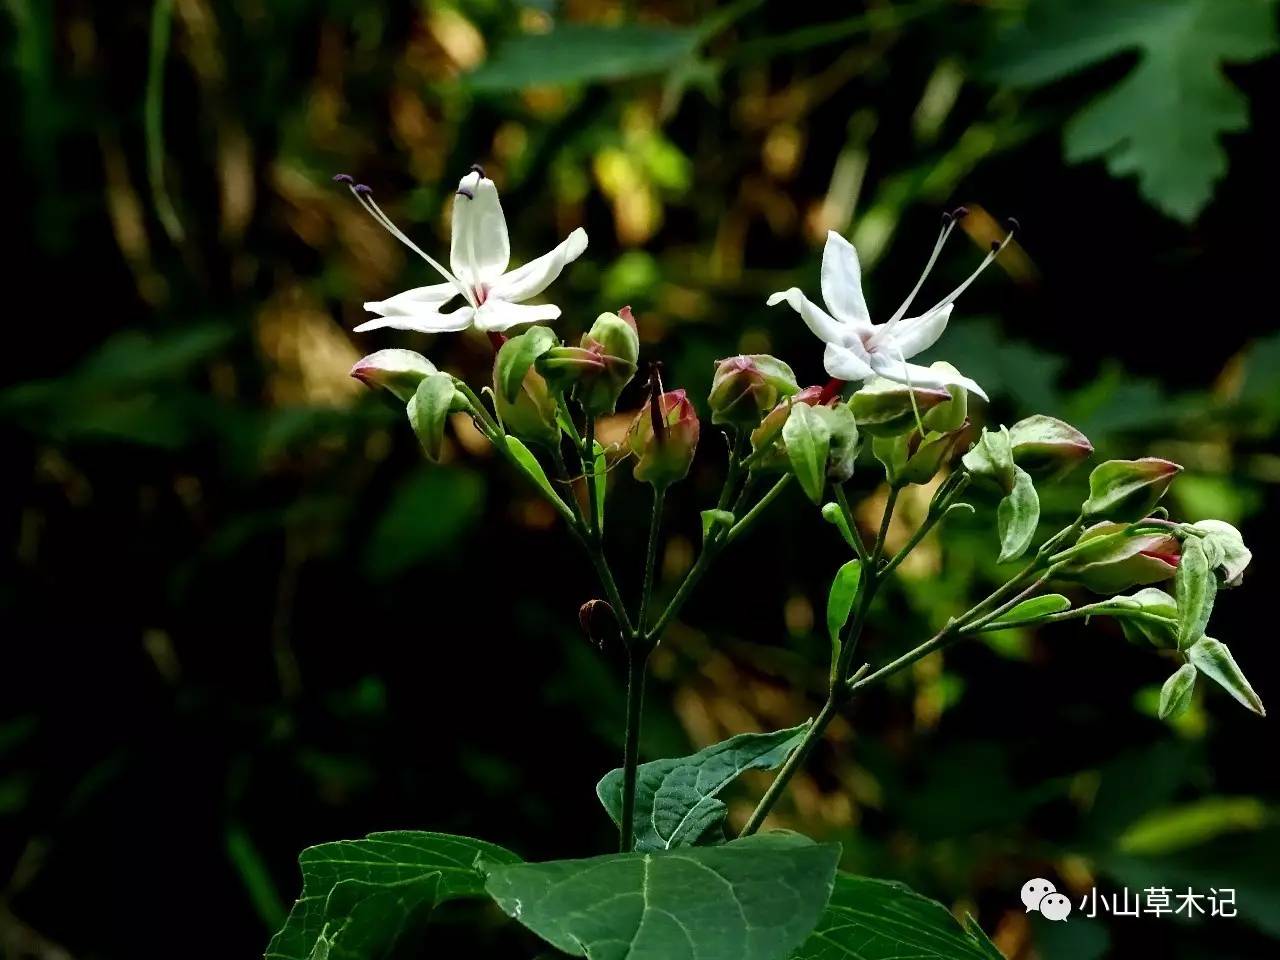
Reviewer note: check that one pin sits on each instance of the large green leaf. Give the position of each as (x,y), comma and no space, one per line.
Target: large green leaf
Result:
(1162,121)
(580,53)
(883,920)
(676,803)
(752,899)
(358,896)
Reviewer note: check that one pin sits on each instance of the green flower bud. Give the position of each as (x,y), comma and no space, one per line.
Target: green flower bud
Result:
(953,413)
(615,335)
(1150,615)
(884,408)
(747,387)
(1045,447)
(991,459)
(531,415)
(1134,560)
(664,439)
(1127,489)
(599,370)
(913,458)
(769,433)
(562,367)
(397,371)
(1224,547)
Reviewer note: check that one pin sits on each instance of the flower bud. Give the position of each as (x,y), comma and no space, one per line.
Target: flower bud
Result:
(531,415)
(912,458)
(1150,615)
(562,367)
(664,438)
(613,338)
(600,624)
(885,408)
(397,371)
(1127,489)
(991,459)
(1120,563)
(747,387)
(951,414)
(1224,547)
(1045,447)
(769,432)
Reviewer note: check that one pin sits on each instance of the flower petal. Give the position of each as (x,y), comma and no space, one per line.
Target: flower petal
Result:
(818,320)
(913,335)
(845,364)
(536,275)
(481,248)
(405,303)
(499,315)
(892,368)
(423,320)
(842,282)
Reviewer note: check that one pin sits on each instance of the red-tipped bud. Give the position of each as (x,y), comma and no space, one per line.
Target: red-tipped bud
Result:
(747,387)
(664,437)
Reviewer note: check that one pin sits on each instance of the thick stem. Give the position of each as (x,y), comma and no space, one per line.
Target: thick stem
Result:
(637,659)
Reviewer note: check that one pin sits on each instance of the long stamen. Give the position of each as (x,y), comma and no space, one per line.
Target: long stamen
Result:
(996,247)
(364,196)
(949,221)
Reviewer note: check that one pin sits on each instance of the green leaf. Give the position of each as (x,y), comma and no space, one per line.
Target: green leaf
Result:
(1214,660)
(1018,516)
(516,356)
(870,919)
(1034,608)
(844,588)
(426,516)
(359,896)
(676,803)
(1177,692)
(713,520)
(1164,119)
(428,409)
(752,899)
(1195,587)
(582,53)
(527,462)
(1230,556)
(808,439)
(991,458)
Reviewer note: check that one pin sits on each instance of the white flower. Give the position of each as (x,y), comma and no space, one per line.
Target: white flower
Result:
(479,255)
(858,349)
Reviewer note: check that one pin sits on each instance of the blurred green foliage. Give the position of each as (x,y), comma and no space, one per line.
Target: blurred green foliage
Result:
(242,616)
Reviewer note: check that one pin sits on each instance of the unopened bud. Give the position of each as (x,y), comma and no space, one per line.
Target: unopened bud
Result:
(1127,489)
(1120,562)
(991,459)
(767,435)
(397,371)
(747,387)
(885,408)
(600,624)
(1044,446)
(532,414)
(664,437)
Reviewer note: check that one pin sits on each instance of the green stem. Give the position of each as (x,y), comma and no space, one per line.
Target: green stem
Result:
(859,547)
(793,764)
(589,457)
(752,515)
(943,499)
(637,659)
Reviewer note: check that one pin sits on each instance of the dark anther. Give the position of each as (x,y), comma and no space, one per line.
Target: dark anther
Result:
(363,188)
(996,245)
(343,178)
(1012,225)
(946,217)
(655,402)
(960,212)
(464,192)
(476,168)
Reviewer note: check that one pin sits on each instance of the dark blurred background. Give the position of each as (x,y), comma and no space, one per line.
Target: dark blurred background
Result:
(241,615)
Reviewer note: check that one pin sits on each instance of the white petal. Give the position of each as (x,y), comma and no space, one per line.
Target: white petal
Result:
(536,275)
(842,282)
(818,320)
(434,295)
(481,249)
(913,373)
(424,320)
(844,364)
(913,335)
(497,314)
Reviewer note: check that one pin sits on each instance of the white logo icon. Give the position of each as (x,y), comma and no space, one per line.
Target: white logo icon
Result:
(1039,894)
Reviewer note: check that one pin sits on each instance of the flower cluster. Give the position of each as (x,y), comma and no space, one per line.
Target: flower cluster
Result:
(913,419)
